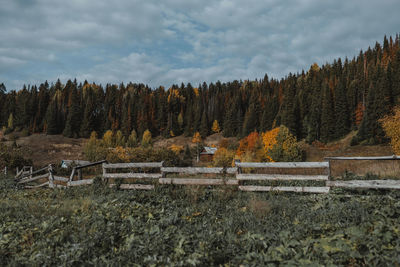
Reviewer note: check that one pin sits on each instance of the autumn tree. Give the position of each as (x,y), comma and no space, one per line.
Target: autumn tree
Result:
(197,140)
(391,126)
(215,127)
(286,147)
(269,140)
(132,139)
(146,138)
(108,139)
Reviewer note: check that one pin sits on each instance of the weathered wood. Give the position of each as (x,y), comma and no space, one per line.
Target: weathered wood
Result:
(37,186)
(282,164)
(79,174)
(308,189)
(133,165)
(135,186)
(366,184)
(80,182)
(197,170)
(90,164)
(393,157)
(193,181)
(60,178)
(132,175)
(283,177)
(72,174)
(34,178)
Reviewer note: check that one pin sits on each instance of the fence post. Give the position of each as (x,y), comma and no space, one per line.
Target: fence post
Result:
(79,174)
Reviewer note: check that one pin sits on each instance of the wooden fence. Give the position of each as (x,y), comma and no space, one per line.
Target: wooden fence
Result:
(134,176)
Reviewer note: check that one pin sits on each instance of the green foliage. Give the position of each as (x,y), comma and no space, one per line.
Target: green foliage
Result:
(12,157)
(132,139)
(195,226)
(286,147)
(94,149)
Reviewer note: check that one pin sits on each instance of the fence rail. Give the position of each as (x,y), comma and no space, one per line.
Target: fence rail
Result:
(230,176)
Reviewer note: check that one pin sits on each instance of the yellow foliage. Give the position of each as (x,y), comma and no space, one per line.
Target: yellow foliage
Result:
(269,140)
(196,91)
(176,149)
(223,157)
(108,138)
(171,133)
(215,127)
(391,126)
(196,138)
(146,139)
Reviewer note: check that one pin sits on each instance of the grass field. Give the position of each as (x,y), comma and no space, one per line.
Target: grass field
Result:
(185,226)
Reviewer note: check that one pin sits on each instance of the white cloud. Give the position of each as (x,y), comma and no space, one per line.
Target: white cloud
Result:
(173,41)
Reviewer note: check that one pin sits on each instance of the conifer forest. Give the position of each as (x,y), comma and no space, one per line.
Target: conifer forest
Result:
(322,103)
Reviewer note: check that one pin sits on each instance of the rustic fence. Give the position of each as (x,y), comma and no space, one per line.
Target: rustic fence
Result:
(141,175)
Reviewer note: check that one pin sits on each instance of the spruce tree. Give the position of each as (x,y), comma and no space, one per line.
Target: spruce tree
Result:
(204,127)
(341,111)
(327,116)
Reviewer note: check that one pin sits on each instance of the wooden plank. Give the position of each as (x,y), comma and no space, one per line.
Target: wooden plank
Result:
(135,186)
(393,157)
(193,181)
(366,184)
(72,175)
(282,177)
(37,186)
(34,178)
(40,170)
(132,175)
(80,182)
(133,165)
(282,164)
(306,189)
(90,164)
(60,178)
(197,170)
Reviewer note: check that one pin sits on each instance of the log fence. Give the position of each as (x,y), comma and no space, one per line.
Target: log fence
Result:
(235,176)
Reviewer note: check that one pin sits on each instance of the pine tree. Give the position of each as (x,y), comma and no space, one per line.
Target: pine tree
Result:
(72,126)
(327,116)
(341,111)
(204,125)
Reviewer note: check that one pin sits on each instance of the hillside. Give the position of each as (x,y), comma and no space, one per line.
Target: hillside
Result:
(45,149)
(324,103)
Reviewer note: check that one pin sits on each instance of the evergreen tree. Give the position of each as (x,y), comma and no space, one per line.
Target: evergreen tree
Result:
(341,111)
(327,116)
(72,125)
(204,125)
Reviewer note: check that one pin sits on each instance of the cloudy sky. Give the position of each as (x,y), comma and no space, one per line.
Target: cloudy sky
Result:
(172,41)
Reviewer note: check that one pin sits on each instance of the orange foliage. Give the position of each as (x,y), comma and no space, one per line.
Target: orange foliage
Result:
(248,143)
(176,149)
(359,113)
(269,140)
(391,126)
(196,138)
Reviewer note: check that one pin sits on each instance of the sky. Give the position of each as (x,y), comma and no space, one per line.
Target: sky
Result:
(173,41)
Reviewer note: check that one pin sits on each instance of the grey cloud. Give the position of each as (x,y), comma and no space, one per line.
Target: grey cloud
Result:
(223,40)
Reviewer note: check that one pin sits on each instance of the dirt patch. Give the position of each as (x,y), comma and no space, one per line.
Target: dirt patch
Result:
(50,149)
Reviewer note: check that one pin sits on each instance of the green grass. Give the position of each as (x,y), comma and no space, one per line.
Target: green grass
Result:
(185,226)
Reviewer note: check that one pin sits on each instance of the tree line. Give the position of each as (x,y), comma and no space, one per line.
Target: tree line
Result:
(324,103)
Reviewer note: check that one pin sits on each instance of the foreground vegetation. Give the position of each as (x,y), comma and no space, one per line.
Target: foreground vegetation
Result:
(196,226)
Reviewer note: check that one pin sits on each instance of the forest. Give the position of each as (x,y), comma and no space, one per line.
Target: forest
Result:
(324,103)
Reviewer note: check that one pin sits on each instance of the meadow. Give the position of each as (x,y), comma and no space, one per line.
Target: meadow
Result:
(198,226)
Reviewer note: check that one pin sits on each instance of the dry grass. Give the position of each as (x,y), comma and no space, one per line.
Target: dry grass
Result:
(381,168)
(260,208)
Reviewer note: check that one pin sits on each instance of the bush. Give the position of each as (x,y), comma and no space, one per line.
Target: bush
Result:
(223,157)
(286,147)
(13,157)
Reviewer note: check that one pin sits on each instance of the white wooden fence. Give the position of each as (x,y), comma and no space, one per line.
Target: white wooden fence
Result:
(154,171)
